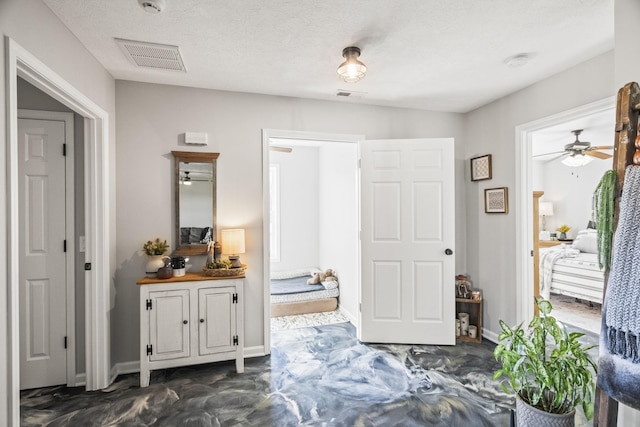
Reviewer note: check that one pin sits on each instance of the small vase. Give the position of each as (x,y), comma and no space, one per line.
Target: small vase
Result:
(563,236)
(153,264)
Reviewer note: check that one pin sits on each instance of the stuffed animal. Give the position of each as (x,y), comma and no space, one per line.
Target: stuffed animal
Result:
(327,276)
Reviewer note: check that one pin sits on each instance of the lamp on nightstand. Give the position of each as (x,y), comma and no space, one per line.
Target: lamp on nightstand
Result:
(545,209)
(233,244)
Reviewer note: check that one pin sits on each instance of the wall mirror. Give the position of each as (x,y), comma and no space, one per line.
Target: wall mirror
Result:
(195,201)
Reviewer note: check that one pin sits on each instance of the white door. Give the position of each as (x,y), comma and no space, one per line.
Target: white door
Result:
(43,261)
(408,230)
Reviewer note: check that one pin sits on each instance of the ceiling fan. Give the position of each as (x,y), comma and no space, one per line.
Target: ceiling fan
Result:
(575,153)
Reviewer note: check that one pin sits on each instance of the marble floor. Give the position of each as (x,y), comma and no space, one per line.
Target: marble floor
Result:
(317,376)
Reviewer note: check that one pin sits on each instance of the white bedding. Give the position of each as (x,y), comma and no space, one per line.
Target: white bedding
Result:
(567,271)
(306,296)
(330,287)
(548,258)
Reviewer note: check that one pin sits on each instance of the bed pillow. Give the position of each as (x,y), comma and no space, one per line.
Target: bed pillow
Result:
(586,241)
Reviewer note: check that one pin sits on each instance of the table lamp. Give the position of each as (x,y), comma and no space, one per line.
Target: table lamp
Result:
(233,244)
(544,209)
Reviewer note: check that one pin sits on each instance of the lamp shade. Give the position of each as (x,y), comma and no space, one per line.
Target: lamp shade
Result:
(232,241)
(577,160)
(545,208)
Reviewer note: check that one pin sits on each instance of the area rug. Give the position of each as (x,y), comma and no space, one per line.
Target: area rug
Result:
(307,320)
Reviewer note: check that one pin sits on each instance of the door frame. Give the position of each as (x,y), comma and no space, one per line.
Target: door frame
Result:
(20,62)
(524,199)
(70,263)
(268,134)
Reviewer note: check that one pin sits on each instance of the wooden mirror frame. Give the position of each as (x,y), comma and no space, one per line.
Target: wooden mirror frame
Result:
(193,157)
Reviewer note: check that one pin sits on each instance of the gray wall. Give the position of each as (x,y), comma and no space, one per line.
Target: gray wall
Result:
(338,228)
(571,190)
(55,46)
(299,208)
(491,239)
(150,118)
(31,98)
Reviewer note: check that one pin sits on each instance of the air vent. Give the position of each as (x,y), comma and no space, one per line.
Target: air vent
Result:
(350,93)
(152,55)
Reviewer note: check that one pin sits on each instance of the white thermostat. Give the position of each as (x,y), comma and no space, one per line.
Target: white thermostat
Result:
(196,138)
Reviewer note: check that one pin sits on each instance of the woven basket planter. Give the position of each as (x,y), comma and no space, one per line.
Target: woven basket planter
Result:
(223,272)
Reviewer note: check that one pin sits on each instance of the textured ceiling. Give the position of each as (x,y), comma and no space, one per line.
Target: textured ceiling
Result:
(427,54)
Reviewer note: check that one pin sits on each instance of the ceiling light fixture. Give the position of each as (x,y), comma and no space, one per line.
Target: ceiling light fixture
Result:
(576,160)
(351,70)
(187,178)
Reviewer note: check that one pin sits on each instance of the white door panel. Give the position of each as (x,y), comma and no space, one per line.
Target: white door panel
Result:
(169,324)
(217,320)
(43,279)
(407,220)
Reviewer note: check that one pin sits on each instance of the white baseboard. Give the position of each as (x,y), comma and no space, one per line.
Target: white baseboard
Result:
(124,368)
(256,351)
(348,315)
(133,367)
(491,336)
(81,379)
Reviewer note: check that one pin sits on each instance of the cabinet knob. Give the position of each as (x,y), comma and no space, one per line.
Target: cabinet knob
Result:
(185,321)
(448,252)
(201,320)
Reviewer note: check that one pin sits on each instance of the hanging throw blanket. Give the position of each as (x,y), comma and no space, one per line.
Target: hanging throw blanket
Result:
(619,363)
(603,206)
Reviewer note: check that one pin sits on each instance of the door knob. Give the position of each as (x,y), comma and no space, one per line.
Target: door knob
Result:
(201,320)
(448,251)
(185,321)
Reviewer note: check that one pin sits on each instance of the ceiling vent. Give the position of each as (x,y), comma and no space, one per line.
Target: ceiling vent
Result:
(152,55)
(349,93)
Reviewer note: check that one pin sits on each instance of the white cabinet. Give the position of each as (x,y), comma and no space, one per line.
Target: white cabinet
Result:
(190,320)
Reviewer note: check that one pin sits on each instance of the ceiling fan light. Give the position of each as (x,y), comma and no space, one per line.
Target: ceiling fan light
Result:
(352,69)
(576,160)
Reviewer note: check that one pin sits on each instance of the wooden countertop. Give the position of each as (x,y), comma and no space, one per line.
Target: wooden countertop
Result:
(189,277)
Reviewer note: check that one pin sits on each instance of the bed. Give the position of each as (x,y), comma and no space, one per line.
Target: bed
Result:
(290,293)
(573,270)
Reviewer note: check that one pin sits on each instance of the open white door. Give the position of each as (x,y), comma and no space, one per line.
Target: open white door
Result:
(408,231)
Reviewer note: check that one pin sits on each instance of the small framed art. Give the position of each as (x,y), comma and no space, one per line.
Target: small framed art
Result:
(481,168)
(496,200)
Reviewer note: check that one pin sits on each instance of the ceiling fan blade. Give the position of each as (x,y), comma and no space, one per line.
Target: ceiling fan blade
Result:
(281,149)
(556,157)
(602,147)
(548,154)
(598,154)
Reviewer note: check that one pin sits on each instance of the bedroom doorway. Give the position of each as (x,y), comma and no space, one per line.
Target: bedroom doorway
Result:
(312,218)
(540,150)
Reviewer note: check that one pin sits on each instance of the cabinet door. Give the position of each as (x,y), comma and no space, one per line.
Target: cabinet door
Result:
(169,324)
(216,320)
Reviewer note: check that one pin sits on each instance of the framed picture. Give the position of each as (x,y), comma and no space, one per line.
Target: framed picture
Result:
(496,200)
(481,168)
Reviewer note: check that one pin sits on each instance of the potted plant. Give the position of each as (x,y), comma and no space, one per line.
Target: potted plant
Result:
(563,229)
(547,368)
(155,250)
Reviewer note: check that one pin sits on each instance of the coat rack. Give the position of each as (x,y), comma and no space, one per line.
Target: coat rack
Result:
(626,152)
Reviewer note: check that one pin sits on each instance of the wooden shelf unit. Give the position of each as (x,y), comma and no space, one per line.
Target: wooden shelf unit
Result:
(474,308)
